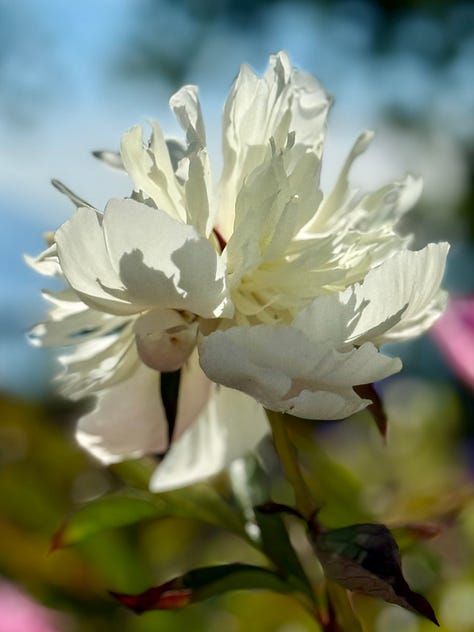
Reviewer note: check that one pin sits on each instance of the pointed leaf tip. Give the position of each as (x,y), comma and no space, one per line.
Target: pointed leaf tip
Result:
(376,408)
(278,508)
(365,558)
(168,596)
(56,541)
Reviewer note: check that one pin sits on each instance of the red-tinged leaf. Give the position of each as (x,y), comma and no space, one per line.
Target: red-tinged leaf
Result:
(410,532)
(376,408)
(365,558)
(168,596)
(203,583)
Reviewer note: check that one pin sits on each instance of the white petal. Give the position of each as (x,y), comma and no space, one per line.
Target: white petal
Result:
(390,202)
(185,104)
(329,318)
(162,262)
(138,257)
(396,301)
(285,100)
(277,365)
(194,168)
(275,202)
(409,280)
(151,170)
(85,261)
(46,262)
(97,363)
(231,425)
(164,338)
(334,204)
(129,421)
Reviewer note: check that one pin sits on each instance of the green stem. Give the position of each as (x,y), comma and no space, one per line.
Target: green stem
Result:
(287,453)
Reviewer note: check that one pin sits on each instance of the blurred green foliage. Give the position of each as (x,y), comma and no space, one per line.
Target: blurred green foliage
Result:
(421,475)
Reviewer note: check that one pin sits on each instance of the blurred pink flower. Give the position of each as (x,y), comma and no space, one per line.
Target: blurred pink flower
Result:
(454,335)
(19,613)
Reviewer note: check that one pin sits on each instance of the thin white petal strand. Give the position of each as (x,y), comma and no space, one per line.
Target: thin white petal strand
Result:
(334,205)
(46,262)
(185,104)
(276,365)
(151,170)
(194,167)
(198,192)
(389,203)
(97,363)
(231,425)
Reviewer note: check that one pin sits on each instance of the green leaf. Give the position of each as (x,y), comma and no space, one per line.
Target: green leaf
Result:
(251,489)
(108,512)
(198,502)
(203,583)
(202,502)
(365,558)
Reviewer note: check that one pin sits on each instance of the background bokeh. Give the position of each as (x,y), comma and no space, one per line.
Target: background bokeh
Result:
(73,78)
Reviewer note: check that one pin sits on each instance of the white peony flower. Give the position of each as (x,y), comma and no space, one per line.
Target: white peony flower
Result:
(214,424)
(279,291)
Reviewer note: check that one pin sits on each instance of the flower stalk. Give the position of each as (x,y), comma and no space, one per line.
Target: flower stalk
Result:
(288,458)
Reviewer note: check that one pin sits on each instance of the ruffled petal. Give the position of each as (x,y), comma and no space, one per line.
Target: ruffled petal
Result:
(151,170)
(285,101)
(85,262)
(396,301)
(231,425)
(286,371)
(194,168)
(135,257)
(46,262)
(407,284)
(129,420)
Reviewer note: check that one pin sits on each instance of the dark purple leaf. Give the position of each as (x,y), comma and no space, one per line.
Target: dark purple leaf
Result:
(365,558)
